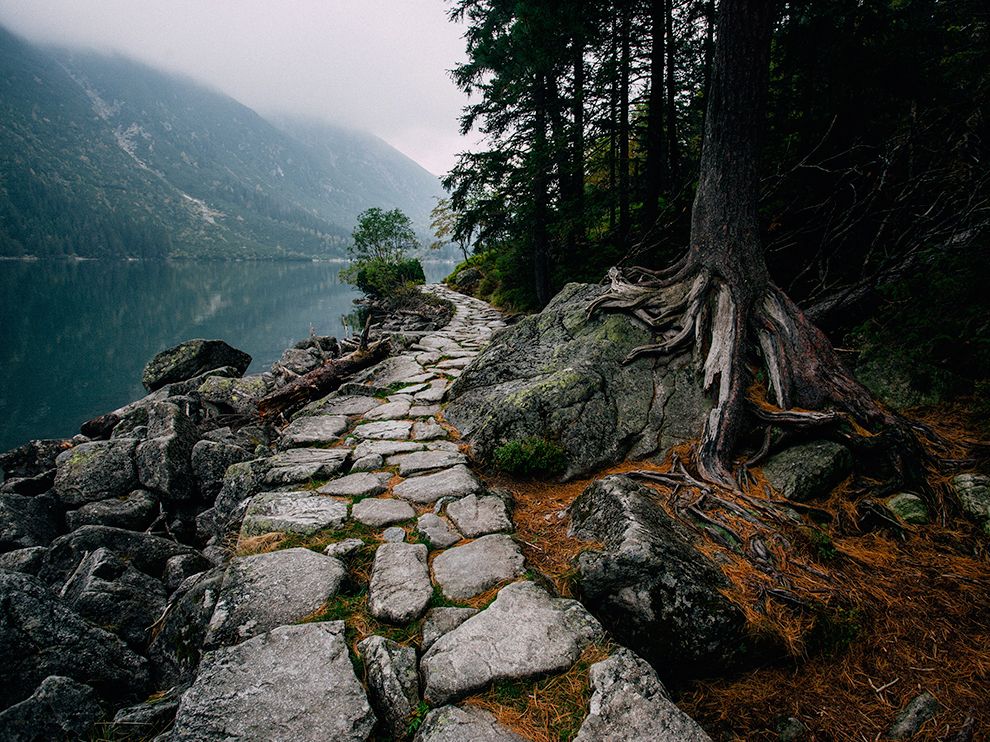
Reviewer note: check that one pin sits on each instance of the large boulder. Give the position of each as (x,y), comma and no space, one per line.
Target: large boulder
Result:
(27,521)
(32,458)
(809,470)
(96,471)
(164,460)
(144,551)
(453,724)
(210,460)
(134,511)
(113,595)
(293,683)
(649,586)
(973,491)
(39,636)
(60,708)
(560,375)
(189,359)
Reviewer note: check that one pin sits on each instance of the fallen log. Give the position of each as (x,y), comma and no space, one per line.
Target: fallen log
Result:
(320,381)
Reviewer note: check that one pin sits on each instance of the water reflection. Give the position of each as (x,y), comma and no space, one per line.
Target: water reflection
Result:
(74,337)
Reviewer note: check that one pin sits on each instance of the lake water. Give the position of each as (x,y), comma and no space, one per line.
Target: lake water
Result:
(75,336)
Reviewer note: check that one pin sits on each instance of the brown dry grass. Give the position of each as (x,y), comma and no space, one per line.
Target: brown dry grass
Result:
(549,710)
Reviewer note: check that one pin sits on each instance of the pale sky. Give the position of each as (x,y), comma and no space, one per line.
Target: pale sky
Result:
(376,65)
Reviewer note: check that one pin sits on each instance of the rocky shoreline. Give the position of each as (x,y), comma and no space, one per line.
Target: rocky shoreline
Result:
(183,573)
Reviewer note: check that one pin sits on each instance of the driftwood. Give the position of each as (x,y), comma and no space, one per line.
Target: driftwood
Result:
(320,381)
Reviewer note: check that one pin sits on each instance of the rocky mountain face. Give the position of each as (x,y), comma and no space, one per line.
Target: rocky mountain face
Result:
(104,157)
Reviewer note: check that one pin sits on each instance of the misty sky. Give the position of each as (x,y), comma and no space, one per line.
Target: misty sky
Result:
(377,65)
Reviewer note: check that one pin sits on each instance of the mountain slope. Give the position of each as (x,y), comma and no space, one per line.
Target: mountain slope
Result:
(104,157)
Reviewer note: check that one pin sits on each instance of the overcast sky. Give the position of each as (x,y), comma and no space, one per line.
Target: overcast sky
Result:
(377,65)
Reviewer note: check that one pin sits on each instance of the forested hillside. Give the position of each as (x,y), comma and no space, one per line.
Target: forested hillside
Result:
(103,157)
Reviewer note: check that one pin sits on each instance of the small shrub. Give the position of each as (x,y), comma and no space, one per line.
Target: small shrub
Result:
(380,278)
(531,457)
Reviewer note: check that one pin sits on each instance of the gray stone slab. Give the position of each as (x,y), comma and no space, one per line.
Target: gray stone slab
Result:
(343,549)
(476,516)
(262,592)
(394,535)
(424,461)
(429,430)
(307,431)
(389,411)
(417,379)
(454,482)
(440,533)
(465,571)
(523,634)
(293,683)
(385,448)
(453,724)
(424,410)
(456,363)
(335,404)
(368,463)
(428,357)
(391,371)
(393,681)
(303,464)
(361,484)
(376,512)
(384,430)
(629,704)
(303,513)
(436,392)
(439,621)
(400,586)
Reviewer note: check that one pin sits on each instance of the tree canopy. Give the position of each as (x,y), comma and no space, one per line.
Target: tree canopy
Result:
(382,235)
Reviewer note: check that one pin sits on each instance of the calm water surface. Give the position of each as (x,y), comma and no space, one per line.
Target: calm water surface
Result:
(74,337)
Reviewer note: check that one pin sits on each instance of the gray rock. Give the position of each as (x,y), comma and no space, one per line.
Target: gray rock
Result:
(113,595)
(385,448)
(428,431)
(300,360)
(308,431)
(180,568)
(454,482)
(33,458)
(189,359)
(476,516)
(391,371)
(436,392)
(560,375)
(453,724)
(791,730)
(649,586)
(421,410)
(134,511)
(302,513)
(143,551)
(400,586)
(393,681)
(304,464)
(344,548)
(146,720)
(523,634)
(629,704)
(439,532)
(96,471)
(262,592)
(909,508)
(29,561)
(40,637)
(376,512)
(384,430)
(293,683)
(209,461)
(60,708)
(808,471)
(175,652)
(394,535)
(910,719)
(234,395)
(362,484)
(164,460)
(423,461)
(27,521)
(335,404)
(440,621)
(973,491)
(465,571)
(390,411)
(368,463)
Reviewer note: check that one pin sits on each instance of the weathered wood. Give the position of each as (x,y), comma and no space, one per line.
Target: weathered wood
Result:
(320,381)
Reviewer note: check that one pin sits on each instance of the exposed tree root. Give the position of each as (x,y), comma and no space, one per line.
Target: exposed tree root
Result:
(736,326)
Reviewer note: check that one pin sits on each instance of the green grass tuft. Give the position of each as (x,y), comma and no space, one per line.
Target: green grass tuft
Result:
(531,457)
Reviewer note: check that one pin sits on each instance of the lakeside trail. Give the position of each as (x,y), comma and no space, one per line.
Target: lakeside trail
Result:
(431,595)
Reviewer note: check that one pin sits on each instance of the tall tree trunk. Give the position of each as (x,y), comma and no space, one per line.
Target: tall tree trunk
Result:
(709,52)
(613,127)
(577,142)
(655,152)
(673,149)
(541,207)
(623,134)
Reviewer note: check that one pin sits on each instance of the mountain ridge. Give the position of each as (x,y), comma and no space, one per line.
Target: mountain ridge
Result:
(103,156)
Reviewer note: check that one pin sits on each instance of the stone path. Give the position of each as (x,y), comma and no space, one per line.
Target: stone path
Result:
(375,467)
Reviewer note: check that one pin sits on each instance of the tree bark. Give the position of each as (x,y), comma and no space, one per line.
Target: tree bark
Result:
(623,133)
(541,206)
(673,149)
(655,151)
